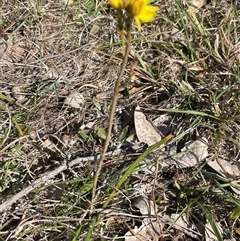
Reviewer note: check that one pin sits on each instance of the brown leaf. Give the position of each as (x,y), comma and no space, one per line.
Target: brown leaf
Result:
(144,129)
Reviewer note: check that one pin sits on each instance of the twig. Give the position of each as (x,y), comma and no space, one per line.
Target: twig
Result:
(48,176)
(113,108)
(12,143)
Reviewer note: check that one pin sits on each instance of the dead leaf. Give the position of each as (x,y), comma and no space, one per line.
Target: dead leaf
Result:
(144,204)
(226,169)
(180,223)
(197,4)
(209,233)
(18,94)
(48,144)
(161,119)
(74,100)
(148,231)
(95,29)
(144,129)
(193,153)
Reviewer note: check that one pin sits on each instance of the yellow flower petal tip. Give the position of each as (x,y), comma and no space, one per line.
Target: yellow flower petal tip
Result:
(116,4)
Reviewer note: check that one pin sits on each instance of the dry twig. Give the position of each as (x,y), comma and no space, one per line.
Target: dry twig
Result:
(48,176)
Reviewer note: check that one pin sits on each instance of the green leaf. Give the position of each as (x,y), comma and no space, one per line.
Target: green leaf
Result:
(86,187)
(236,213)
(123,133)
(101,133)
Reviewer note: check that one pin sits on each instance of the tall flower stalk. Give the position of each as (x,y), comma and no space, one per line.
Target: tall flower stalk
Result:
(128,10)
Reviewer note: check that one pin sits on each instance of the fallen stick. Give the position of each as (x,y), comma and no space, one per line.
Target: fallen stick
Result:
(49,175)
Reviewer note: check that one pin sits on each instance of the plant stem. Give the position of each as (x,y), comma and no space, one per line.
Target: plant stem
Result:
(113,108)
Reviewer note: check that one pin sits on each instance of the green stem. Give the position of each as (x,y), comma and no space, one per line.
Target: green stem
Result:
(113,108)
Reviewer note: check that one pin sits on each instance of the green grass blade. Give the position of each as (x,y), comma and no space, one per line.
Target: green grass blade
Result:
(77,233)
(211,221)
(193,112)
(131,168)
(91,227)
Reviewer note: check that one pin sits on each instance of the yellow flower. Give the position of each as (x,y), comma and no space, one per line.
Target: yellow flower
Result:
(117,4)
(141,11)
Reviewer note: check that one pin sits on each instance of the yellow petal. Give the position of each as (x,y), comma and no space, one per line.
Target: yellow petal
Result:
(145,2)
(117,4)
(127,2)
(147,13)
(138,22)
(135,7)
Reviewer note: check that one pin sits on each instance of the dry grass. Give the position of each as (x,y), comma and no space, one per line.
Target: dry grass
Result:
(50,49)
